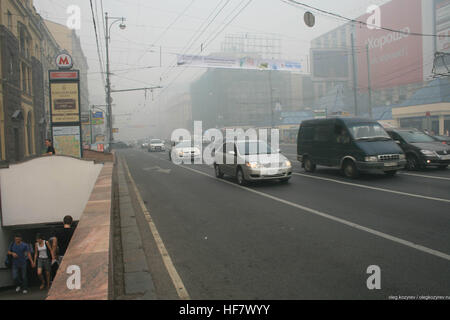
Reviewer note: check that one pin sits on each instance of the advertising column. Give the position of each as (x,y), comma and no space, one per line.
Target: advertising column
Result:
(65,108)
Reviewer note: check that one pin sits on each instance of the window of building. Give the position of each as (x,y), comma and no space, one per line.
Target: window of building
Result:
(10,21)
(29,134)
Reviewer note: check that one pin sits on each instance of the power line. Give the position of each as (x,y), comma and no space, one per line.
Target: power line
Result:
(363,22)
(226,25)
(98,46)
(195,37)
(167,29)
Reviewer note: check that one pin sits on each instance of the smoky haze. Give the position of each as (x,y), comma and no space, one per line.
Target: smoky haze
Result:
(167,25)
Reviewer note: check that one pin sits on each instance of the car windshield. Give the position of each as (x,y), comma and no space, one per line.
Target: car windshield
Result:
(254,148)
(156,141)
(415,137)
(368,131)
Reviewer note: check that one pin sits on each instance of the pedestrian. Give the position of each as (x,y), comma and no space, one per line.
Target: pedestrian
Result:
(447,133)
(20,252)
(63,237)
(43,254)
(53,241)
(50,149)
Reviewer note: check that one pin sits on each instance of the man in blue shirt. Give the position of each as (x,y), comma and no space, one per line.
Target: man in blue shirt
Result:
(20,252)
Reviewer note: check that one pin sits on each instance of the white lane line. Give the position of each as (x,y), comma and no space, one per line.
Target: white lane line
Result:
(373,188)
(339,220)
(424,176)
(176,279)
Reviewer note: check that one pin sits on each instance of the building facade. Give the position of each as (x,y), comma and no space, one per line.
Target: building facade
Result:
(69,41)
(22,105)
(28,48)
(226,97)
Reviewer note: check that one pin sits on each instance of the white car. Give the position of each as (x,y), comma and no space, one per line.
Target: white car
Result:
(184,151)
(156,145)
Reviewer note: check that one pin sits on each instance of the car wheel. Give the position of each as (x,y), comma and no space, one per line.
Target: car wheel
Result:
(240,177)
(309,165)
(219,173)
(412,163)
(391,173)
(349,169)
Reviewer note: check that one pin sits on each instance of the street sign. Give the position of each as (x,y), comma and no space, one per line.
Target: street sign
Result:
(97,115)
(310,20)
(64,61)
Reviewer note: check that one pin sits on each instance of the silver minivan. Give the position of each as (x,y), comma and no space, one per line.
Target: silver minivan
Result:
(251,160)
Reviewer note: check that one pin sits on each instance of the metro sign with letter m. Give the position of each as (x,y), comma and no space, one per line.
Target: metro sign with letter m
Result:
(64,61)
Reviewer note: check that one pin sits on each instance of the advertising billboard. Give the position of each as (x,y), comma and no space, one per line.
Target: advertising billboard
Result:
(67,141)
(442,13)
(64,102)
(330,64)
(246,63)
(396,58)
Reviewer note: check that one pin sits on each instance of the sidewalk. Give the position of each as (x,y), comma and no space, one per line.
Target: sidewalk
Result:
(33,294)
(138,282)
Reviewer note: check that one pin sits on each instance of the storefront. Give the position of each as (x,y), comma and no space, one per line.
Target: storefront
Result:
(431,117)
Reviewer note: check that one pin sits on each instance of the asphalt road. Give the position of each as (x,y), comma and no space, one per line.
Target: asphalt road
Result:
(312,238)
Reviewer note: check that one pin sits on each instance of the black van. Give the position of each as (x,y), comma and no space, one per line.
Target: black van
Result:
(351,144)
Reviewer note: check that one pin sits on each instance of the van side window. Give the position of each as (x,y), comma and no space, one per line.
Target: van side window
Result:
(323,133)
(341,135)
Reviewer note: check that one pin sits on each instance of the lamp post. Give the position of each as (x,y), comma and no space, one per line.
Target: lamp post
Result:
(108,81)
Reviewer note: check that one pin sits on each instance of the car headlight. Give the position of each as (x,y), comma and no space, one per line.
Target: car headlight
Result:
(402,157)
(253,165)
(287,163)
(180,154)
(428,153)
(371,159)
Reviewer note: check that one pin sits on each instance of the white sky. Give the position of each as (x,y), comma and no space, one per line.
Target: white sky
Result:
(148,19)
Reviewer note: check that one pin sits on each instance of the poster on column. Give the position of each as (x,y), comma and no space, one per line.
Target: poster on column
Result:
(64,101)
(67,141)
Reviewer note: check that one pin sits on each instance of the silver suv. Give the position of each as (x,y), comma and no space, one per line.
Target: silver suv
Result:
(252,160)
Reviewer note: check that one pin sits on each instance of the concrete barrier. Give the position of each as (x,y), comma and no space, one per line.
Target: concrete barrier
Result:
(90,250)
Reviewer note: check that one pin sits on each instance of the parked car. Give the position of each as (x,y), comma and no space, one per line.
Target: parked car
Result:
(156,145)
(251,160)
(442,139)
(184,151)
(421,149)
(353,145)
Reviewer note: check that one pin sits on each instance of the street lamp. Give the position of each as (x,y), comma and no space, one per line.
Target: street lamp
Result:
(122,26)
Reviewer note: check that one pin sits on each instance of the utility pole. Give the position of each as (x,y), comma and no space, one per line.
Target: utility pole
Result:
(354,75)
(369,82)
(108,73)
(108,83)
(271,98)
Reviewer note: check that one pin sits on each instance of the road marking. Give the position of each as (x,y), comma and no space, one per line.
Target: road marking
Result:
(158,169)
(373,188)
(176,279)
(336,219)
(424,176)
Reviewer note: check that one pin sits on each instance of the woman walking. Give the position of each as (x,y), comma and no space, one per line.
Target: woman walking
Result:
(43,254)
